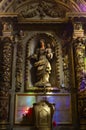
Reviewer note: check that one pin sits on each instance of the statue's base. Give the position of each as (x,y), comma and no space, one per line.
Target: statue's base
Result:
(43,89)
(42,85)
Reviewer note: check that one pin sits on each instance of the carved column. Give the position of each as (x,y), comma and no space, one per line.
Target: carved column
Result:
(79,52)
(19,66)
(5,79)
(80,72)
(79,49)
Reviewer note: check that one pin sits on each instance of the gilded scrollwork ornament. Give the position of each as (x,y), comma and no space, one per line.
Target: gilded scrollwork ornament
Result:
(5,77)
(6,62)
(19,66)
(79,49)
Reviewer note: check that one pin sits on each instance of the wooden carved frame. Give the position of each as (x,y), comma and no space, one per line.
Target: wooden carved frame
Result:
(48,36)
(59,49)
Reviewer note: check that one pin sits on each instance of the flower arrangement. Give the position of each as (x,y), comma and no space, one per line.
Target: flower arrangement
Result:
(54,124)
(27,117)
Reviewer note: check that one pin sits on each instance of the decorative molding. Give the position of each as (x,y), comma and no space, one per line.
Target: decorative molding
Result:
(11,15)
(76,14)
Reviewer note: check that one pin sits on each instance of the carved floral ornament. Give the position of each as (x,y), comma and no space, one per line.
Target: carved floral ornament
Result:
(80,62)
(6,5)
(42,10)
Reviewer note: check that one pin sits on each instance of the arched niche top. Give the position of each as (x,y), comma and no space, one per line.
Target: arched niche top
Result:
(45,7)
(45,11)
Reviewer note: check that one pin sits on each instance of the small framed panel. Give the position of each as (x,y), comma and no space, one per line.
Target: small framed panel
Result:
(24,102)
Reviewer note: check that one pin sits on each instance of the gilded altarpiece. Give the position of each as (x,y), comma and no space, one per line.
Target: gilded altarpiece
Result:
(60,75)
(42,25)
(38,20)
